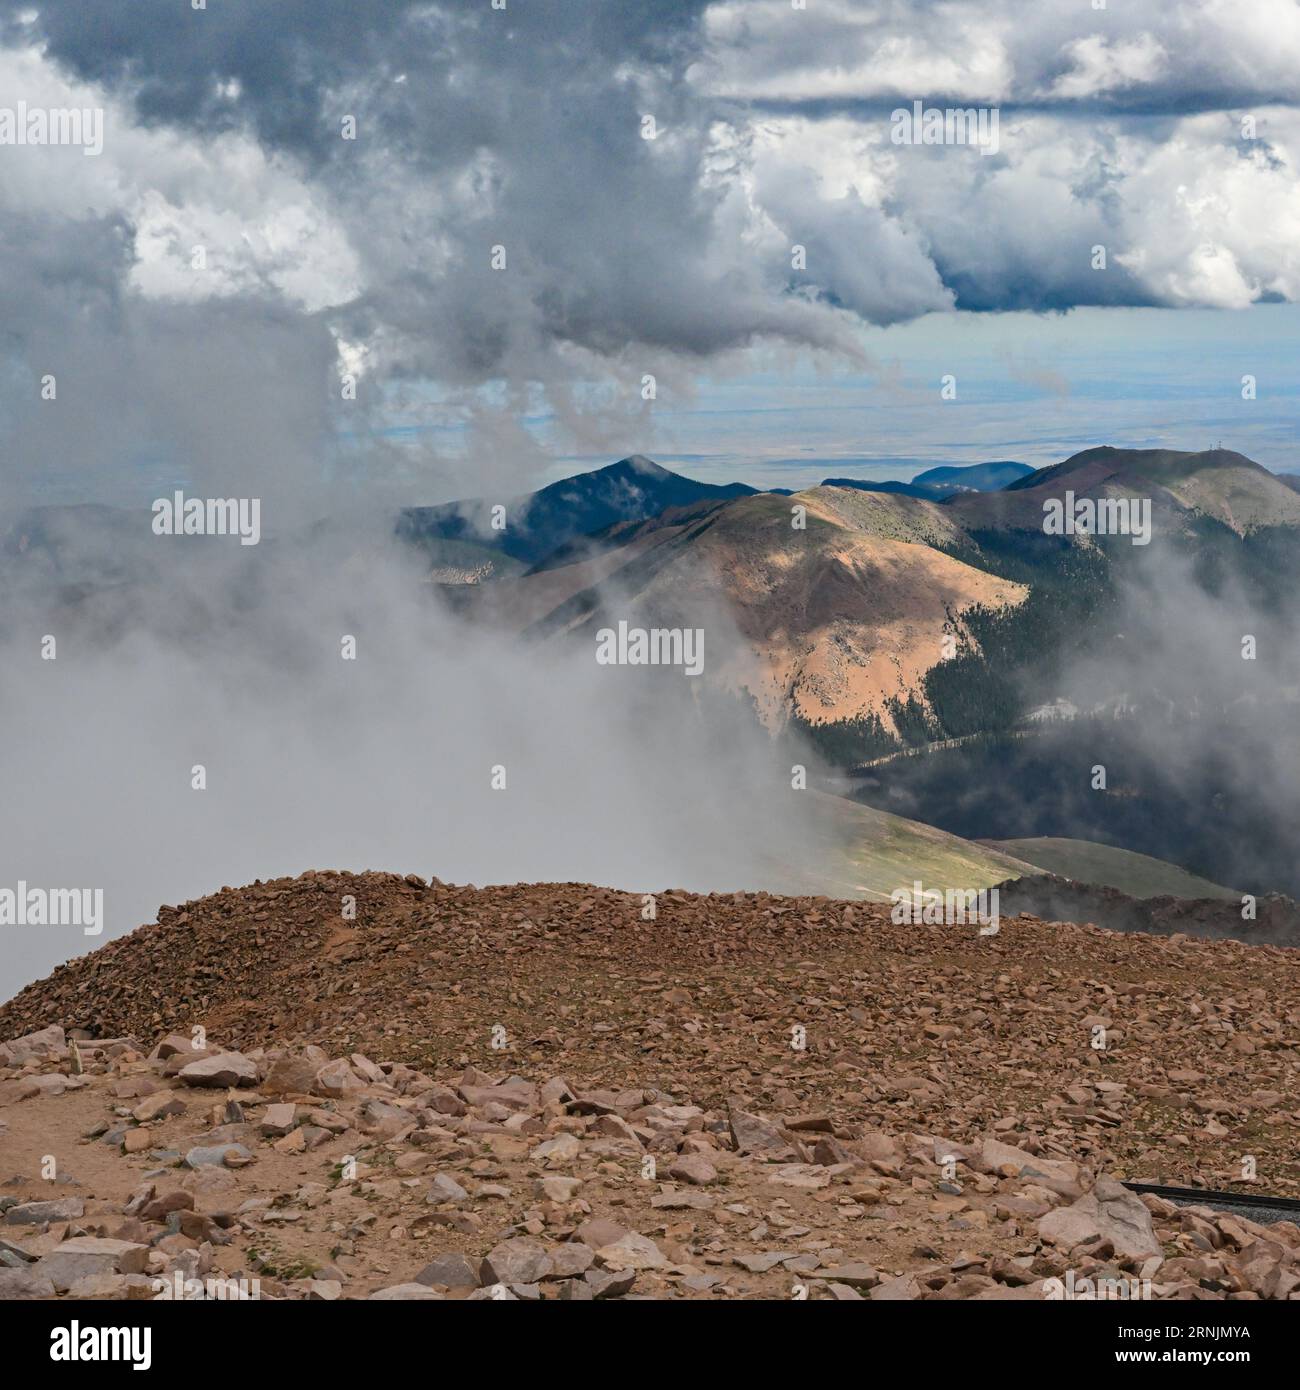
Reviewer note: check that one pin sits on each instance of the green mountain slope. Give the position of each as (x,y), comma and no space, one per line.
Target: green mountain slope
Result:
(1138,875)
(865,853)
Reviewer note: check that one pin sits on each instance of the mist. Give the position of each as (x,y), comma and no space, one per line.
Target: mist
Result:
(176,652)
(1198,731)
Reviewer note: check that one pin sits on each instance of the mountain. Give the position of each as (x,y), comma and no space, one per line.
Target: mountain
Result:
(869,853)
(900,489)
(1138,875)
(825,621)
(1218,484)
(945,481)
(979,477)
(538,523)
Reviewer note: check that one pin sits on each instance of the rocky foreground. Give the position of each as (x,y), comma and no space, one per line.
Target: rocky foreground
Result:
(537,1092)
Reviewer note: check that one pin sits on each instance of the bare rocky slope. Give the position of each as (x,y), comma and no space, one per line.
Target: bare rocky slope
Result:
(536,1092)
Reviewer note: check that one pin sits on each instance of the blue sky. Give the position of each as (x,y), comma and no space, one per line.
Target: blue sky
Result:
(1031,387)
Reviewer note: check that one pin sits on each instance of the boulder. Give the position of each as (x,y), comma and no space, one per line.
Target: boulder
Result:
(1109,1212)
(221,1069)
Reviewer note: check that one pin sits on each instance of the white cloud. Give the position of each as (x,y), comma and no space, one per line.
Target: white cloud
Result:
(263,226)
(1100,65)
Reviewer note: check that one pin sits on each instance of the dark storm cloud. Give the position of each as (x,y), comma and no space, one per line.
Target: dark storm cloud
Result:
(523,129)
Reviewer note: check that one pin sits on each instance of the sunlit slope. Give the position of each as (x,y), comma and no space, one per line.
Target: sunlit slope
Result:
(865,853)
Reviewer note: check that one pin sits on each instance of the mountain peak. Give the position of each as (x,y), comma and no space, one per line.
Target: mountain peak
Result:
(639,463)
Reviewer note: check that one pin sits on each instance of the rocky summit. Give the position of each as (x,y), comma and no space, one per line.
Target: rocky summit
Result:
(369,1086)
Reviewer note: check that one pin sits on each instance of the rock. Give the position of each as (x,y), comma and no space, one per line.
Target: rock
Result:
(899,1290)
(24,1284)
(557,1189)
(693,1168)
(822,1124)
(518,1261)
(37,1213)
(615,1127)
(1109,1212)
(217,1154)
(605,1283)
(675,1200)
(751,1134)
(520,1095)
(46,1042)
(445,1188)
(336,1079)
(556,1092)
(599,1231)
(570,1259)
(291,1076)
(632,1251)
(806,1177)
(564,1148)
(136,1141)
(279,1119)
(452,1271)
(157,1106)
(221,1069)
(759,1264)
(1057,1175)
(366,1069)
(403,1293)
(860,1276)
(20,1089)
(100,1286)
(88,1256)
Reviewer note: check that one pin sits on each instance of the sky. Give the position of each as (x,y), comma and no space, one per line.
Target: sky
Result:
(290,198)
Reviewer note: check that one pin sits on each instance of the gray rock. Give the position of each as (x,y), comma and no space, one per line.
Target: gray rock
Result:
(452,1271)
(215,1155)
(1109,1212)
(609,1284)
(518,1261)
(25,1283)
(36,1213)
(570,1259)
(445,1188)
(754,1135)
(634,1251)
(87,1257)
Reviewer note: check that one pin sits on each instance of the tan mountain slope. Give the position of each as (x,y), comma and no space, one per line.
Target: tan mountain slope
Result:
(829,620)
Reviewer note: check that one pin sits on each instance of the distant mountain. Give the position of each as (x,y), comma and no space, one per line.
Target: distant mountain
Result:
(1292,480)
(945,481)
(538,523)
(897,488)
(977,477)
(1085,861)
(1224,486)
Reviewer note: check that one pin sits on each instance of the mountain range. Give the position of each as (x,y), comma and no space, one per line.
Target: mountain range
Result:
(948,661)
